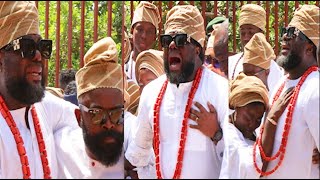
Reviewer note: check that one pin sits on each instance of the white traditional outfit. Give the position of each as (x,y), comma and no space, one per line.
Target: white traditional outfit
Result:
(17,19)
(303,136)
(202,158)
(304,133)
(237,162)
(76,164)
(54,115)
(238,152)
(130,67)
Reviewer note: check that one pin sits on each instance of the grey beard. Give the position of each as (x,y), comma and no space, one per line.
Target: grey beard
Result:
(177,78)
(289,62)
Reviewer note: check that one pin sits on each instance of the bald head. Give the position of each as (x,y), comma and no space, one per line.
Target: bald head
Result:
(221,46)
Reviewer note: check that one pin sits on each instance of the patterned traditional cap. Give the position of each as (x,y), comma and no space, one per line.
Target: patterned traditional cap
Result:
(186,19)
(147,12)
(55,91)
(247,89)
(253,14)
(134,96)
(258,52)
(306,19)
(126,47)
(17,18)
(101,69)
(150,59)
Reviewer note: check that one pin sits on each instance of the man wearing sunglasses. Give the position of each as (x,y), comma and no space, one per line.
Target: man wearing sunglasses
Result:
(181,112)
(297,129)
(144,30)
(96,150)
(30,117)
(252,20)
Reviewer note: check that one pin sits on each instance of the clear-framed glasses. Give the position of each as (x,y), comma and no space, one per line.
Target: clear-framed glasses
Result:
(28,47)
(99,116)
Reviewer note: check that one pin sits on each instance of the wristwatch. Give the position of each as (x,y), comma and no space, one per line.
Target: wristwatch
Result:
(217,136)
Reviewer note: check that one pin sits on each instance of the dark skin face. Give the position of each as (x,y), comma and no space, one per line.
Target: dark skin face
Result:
(144,35)
(246,33)
(181,63)
(145,76)
(103,141)
(296,56)
(248,118)
(252,70)
(22,81)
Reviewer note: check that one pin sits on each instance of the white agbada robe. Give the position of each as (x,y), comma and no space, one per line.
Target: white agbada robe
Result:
(130,129)
(130,69)
(78,165)
(54,115)
(202,158)
(237,160)
(276,72)
(304,133)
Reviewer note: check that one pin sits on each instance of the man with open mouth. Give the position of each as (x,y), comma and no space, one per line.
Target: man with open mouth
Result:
(182,113)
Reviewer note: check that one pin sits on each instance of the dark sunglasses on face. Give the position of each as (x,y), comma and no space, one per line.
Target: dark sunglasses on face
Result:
(179,39)
(292,32)
(28,47)
(99,116)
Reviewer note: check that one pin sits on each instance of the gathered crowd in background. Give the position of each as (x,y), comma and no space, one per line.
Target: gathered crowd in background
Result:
(191,110)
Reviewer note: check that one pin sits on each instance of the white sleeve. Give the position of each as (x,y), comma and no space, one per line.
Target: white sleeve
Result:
(237,160)
(312,113)
(139,151)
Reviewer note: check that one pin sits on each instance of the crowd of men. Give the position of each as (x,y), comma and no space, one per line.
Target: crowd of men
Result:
(190,110)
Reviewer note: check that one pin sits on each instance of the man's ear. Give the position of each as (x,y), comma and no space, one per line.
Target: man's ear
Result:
(309,49)
(198,50)
(77,113)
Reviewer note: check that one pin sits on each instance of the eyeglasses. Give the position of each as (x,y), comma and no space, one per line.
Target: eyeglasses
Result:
(179,39)
(28,47)
(292,32)
(99,116)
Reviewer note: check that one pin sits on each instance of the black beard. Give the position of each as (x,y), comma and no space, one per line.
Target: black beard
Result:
(289,62)
(24,92)
(107,154)
(187,69)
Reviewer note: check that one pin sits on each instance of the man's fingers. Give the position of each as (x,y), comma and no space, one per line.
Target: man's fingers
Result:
(194,114)
(211,108)
(200,107)
(194,126)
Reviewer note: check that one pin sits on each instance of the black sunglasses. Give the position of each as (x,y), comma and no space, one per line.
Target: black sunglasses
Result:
(179,39)
(99,116)
(292,32)
(28,47)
